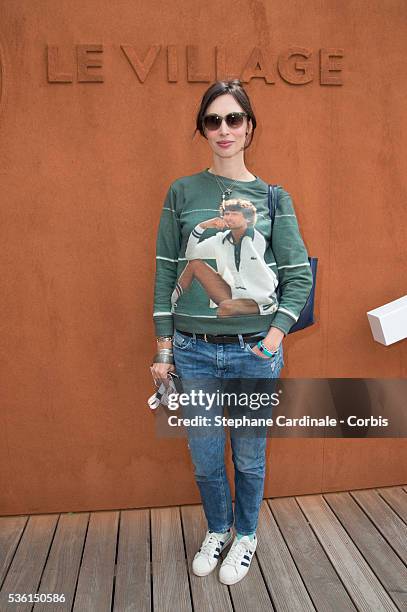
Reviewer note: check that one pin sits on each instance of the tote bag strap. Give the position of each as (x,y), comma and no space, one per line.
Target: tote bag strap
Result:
(272,202)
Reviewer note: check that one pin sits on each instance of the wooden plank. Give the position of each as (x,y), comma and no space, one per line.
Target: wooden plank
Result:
(207,592)
(382,559)
(326,590)
(385,519)
(95,583)
(362,585)
(11,528)
(25,571)
(169,566)
(251,592)
(62,566)
(283,580)
(133,581)
(397,499)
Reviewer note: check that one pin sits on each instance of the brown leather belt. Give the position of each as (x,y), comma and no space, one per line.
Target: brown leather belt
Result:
(214,339)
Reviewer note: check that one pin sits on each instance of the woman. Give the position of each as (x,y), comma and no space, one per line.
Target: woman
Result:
(217,318)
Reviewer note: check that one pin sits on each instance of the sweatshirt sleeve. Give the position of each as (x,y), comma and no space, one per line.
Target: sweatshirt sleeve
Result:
(294,271)
(167,252)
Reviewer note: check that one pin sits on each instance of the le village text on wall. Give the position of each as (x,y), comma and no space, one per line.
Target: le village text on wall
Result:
(295,65)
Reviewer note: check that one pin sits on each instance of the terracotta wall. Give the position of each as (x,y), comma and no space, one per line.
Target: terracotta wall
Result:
(86,155)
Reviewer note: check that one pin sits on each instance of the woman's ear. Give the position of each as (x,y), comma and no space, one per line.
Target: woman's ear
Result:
(249,127)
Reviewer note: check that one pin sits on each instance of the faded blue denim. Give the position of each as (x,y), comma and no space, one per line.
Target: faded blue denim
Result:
(220,367)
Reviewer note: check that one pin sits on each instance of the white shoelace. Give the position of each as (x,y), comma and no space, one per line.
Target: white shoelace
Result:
(209,547)
(236,553)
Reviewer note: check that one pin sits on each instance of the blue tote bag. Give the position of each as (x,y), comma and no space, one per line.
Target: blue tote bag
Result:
(306,317)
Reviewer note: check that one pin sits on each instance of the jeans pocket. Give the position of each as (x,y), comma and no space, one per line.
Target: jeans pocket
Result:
(181,341)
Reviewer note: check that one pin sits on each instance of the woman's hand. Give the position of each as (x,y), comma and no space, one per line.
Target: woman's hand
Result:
(217,222)
(159,372)
(272,342)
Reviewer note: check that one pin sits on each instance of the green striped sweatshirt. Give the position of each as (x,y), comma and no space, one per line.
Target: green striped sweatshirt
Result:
(222,279)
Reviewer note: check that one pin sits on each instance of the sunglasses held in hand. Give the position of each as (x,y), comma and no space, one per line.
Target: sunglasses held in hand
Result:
(167,393)
(213,122)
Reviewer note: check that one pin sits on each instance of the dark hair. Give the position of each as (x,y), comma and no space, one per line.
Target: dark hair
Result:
(219,88)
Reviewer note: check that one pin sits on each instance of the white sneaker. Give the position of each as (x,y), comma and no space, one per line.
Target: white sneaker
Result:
(237,563)
(206,559)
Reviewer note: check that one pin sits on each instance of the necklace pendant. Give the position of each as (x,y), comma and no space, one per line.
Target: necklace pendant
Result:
(228,191)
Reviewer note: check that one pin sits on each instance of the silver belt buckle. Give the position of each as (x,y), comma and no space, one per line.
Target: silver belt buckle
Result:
(205,340)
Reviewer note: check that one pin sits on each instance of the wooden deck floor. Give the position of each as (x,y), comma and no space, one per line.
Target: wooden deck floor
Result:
(337,551)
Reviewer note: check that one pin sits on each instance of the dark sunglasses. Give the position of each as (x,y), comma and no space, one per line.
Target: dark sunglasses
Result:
(233,120)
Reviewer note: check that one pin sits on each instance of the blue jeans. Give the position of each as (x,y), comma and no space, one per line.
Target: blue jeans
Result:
(226,367)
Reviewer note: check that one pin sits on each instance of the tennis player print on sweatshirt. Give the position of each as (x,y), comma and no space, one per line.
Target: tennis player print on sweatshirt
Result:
(242,283)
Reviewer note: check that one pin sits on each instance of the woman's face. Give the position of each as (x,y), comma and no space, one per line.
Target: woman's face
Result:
(226,142)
